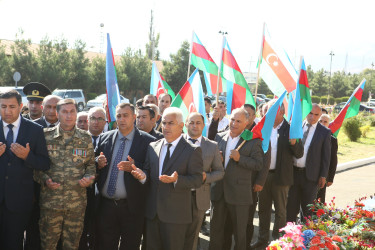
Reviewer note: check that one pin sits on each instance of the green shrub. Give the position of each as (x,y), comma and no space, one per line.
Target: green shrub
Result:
(344,98)
(365,130)
(352,128)
(332,100)
(323,100)
(315,99)
(91,96)
(270,96)
(372,121)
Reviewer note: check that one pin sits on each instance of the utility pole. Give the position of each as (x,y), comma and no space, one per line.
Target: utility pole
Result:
(372,69)
(329,80)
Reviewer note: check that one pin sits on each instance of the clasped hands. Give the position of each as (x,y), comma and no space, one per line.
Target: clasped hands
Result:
(17,149)
(84,182)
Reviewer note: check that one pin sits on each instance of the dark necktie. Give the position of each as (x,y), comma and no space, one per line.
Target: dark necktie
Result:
(208,115)
(193,140)
(51,125)
(167,157)
(306,133)
(94,137)
(10,135)
(114,171)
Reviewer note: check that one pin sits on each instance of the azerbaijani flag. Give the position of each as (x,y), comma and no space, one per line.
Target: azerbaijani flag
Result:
(350,109)
(276,68)
(263,129)
(202,60)
(238,91)
(304,89)
(191,98)
(158,85)
(113,93)
(290,105)
(295,130)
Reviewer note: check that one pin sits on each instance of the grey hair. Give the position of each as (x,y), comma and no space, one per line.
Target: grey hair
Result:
(325,115)
(240,110)
(174,111)
(82,113)
(94,109)
(49,97)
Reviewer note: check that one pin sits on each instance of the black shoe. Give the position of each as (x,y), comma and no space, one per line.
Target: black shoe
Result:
(205,231)
(259,244)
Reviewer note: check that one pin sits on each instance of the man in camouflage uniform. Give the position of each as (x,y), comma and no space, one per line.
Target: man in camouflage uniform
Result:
(63,187)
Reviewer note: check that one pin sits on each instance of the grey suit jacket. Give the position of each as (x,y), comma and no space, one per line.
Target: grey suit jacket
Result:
(213,166)
(172,202)
(237,185)
(319,154)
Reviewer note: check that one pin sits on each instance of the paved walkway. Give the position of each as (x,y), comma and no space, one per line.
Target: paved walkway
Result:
(348,186)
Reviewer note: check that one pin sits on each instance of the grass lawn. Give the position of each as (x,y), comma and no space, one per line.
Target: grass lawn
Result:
(363,148)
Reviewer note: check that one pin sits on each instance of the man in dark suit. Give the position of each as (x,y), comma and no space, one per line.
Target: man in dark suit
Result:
(311,170)
(49,119)
(324,120)
(146,119)
(231,197)
(122,197)
(173,167)
(212,171)
(22,149)
(280,177)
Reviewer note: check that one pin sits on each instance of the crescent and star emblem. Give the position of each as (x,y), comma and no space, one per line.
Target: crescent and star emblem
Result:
(275,62)
(191,107)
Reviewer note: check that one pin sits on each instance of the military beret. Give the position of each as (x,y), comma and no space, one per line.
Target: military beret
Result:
(36,91)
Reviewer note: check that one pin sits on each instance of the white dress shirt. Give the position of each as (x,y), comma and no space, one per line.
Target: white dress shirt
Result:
(223,124)
(274,141)
(301,162)
(231,144)
(163,152)
(198,142)
(15,129)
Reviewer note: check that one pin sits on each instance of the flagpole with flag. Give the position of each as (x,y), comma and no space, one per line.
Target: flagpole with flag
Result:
(191,49)
(295,130)
(259,60)
(113,93)
(219,73)
(350,109)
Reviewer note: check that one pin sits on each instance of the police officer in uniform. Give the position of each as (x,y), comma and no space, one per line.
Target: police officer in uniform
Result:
(35,93)
(63,187)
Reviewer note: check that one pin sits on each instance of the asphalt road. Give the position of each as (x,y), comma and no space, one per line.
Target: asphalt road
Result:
(347,187)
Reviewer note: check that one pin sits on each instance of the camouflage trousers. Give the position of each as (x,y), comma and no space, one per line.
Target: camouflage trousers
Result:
(67,224)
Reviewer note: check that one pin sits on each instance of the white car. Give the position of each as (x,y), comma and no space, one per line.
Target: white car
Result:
(19,89)
(99,100)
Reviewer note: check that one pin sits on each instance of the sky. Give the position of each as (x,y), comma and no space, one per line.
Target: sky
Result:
(302,28)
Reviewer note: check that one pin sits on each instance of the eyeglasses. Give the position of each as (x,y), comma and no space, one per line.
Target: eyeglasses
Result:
(97,119)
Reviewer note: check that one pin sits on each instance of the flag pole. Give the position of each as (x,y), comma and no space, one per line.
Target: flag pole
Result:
(191,50)
(259,60)
(219,70)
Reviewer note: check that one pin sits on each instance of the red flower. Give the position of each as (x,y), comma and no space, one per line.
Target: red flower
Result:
(320,212)
(322,233)
(314,248)
(336,238)
(329,245)
(327,239)
(322,245)
(315,241)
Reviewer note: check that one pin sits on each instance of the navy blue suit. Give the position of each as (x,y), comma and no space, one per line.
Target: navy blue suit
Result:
(136,193)
(16,182)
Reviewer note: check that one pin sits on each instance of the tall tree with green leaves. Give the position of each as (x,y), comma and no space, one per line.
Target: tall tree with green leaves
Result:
(5,68)
(319,84)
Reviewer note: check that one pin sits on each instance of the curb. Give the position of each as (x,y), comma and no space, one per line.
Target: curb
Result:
(354,164)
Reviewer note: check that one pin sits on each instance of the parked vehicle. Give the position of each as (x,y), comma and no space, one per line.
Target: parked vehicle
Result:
(362,108)
(76,94)
(370,104)
(99,100)
(19,89)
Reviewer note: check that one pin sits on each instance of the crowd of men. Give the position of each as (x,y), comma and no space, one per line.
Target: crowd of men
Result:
(68,180)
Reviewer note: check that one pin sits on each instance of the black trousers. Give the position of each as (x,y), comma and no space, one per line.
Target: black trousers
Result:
(12,227)
(115,222)
(301,194)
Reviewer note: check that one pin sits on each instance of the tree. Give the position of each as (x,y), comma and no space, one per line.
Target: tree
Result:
(151,47)
(24,60)
(338,84)
(175,71)
(96,73)
(319,84)
(263,88)
(134,73)
(5,68)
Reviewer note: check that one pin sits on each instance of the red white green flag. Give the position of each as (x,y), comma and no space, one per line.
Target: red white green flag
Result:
(201,59)
(238,91)
(350,109)
(158,85)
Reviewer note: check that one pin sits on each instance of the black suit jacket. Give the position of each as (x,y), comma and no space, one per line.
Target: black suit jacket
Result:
(136,192)
(41,121)
(319,154)
(284,156)
(16,175)
(333,163)
(172,202)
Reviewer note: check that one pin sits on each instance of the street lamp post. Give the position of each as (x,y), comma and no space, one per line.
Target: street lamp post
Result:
(330,72)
